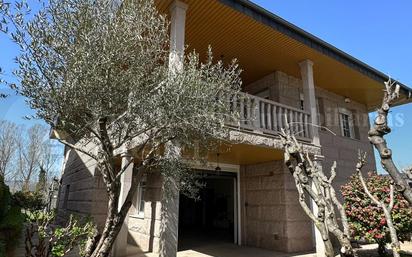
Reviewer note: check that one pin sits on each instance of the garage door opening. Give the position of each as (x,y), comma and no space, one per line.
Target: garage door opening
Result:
(212,218)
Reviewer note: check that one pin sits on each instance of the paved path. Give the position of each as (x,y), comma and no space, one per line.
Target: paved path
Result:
(220,250)
(230,250)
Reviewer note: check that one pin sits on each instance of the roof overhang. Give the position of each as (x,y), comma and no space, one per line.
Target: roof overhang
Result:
(263,42)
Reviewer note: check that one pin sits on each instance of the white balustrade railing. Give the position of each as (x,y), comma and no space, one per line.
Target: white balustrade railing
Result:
(261,115)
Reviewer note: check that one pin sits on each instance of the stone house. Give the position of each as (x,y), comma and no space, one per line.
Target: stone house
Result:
(252,200)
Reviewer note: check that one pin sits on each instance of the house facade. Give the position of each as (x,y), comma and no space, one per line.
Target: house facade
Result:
(249,196)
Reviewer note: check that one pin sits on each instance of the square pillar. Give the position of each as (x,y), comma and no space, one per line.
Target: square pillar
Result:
(306,71)
(120,246)
(177,36)
(170,196)
(169,227)
(320,246)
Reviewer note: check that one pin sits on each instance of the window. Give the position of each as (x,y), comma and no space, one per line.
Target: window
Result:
(139,204)
(302,101)
(346,123)
(320,113)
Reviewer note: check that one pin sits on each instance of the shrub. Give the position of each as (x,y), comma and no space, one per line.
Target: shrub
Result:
(29,201)
(55,241)
(366,220)
(11,220)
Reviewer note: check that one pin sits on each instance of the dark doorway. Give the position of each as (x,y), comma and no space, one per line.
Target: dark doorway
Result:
(210,219)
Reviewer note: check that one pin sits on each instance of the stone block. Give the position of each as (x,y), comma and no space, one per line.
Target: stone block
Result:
(100,207)
(252,227)
(253,183)
(153,194)
(299,245)
(299,229)
(271,197)
(272,213)
(274,181)
(289,182)
(253,212)
(271,228)
(138,225)
(153,210)
(263,197)
(290,196)
(83,195)
(78,206)
(294,212)
(141,240)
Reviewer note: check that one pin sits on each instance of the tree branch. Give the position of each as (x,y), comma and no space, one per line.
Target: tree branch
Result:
(380,203)
(78,149)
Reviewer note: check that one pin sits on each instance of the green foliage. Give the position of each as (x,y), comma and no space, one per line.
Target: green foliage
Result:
(2,248)
(100,73)
(56,241)
(366,219)
(41,185)
(99,63)
(11,219)
(29,201)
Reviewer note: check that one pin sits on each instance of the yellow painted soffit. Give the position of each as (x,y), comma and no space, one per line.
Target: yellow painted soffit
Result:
(261,50)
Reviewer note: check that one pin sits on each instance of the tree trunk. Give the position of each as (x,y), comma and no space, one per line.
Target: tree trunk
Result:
(112,225)
(329,250)
(346,246)
(115,217)
(396,247)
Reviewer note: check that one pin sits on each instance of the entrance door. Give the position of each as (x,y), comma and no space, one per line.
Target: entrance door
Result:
(211,218)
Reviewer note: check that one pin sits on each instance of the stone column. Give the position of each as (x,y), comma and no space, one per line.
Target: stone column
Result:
(120,247)
(169,227)
(177,35)
(170,196)
(306,71)
(320,246)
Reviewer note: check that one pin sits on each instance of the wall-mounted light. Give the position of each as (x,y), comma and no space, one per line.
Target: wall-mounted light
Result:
(347,100)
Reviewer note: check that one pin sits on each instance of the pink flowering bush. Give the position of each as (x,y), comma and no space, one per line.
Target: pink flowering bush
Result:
(366,220)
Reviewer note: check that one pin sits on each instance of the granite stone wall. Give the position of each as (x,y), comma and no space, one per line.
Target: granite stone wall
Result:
(145,230)
(82,191)
(271,215)
(287,90)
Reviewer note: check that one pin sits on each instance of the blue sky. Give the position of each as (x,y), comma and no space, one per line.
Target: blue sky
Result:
(377,32)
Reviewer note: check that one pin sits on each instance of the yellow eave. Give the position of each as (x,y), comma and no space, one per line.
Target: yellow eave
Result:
(261,49)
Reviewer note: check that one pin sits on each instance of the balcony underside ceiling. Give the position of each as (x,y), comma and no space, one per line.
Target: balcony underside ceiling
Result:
(243,154)
(261,49)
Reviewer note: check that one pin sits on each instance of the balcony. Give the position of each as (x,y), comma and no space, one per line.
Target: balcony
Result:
(262,116)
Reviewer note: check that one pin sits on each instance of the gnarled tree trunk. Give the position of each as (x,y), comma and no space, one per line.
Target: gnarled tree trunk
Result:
(311,181)
(376,136)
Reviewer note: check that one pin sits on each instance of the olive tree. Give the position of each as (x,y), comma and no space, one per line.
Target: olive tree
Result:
(98,72)
(377,135)
(314,185)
